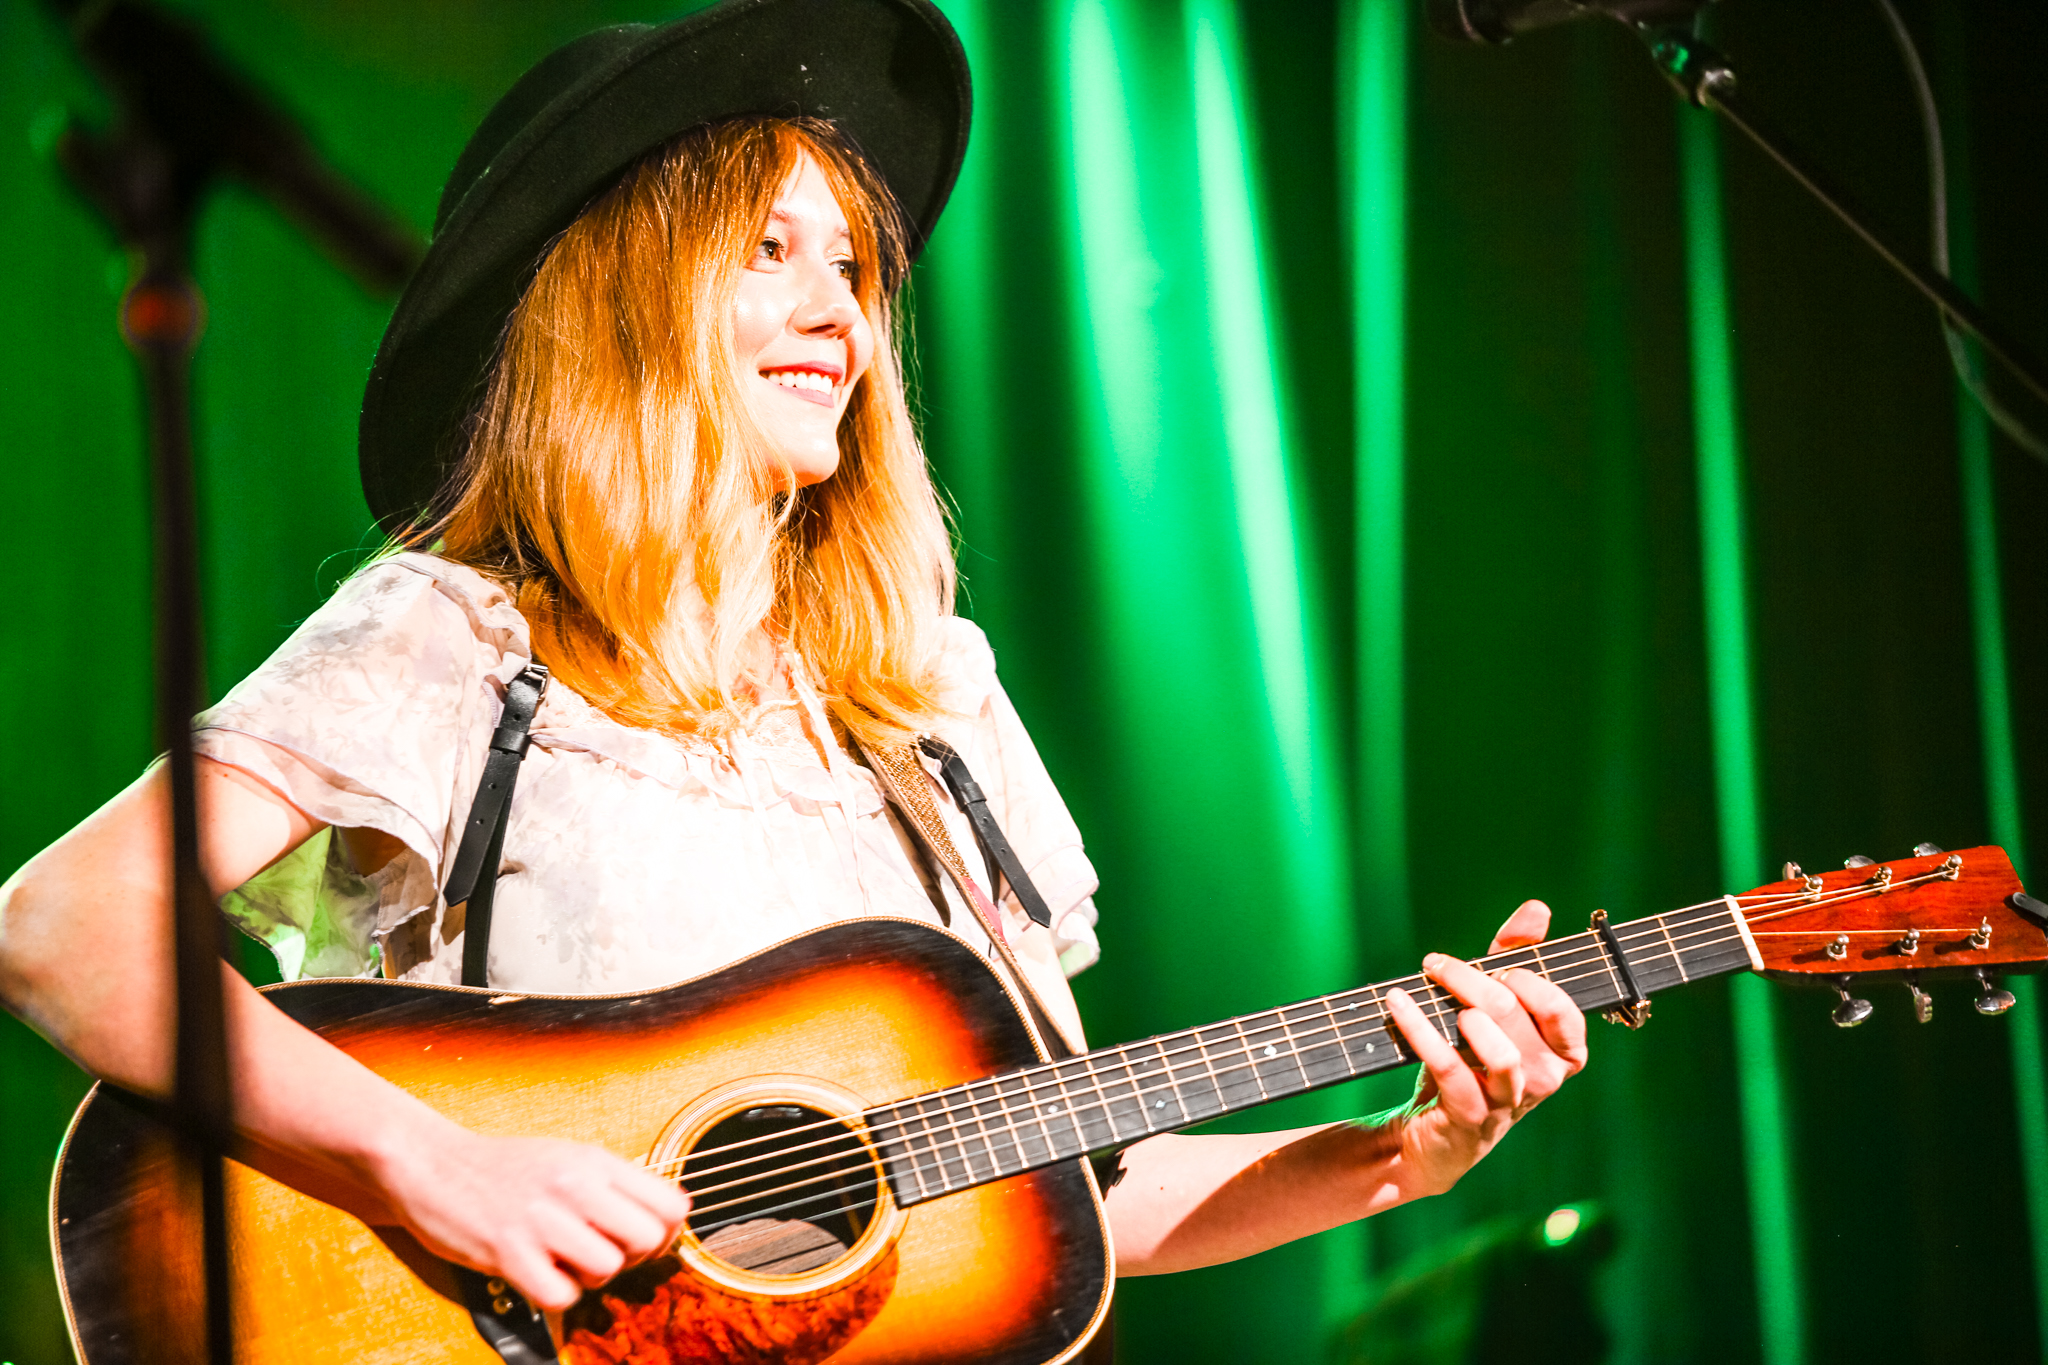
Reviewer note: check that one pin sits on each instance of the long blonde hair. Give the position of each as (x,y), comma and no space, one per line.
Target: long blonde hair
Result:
(616,483)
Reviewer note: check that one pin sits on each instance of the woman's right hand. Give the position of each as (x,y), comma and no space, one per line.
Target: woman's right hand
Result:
(551,1218)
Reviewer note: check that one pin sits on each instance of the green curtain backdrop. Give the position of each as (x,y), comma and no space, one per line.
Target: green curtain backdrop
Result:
(1398,479)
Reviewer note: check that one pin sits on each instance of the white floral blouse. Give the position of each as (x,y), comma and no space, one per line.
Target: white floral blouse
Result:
(632,859)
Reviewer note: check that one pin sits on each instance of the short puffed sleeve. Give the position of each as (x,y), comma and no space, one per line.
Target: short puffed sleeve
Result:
(366,718)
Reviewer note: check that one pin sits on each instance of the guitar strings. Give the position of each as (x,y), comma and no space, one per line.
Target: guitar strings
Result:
(930,1137)
(1436,1006)
(1650,927)
(965,1159)
(1565,954)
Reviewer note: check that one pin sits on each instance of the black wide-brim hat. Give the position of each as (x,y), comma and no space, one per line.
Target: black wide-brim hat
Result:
(889,73)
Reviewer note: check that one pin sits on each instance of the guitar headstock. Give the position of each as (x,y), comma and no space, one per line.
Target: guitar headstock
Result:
(1933,915)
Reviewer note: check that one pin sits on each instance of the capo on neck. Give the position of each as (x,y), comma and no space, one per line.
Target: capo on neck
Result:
(1634,1010)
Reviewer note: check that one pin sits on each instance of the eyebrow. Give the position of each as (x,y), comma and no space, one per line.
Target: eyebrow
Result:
(778,216)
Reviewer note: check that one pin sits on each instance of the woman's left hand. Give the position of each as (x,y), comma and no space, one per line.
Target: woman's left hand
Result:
(1524,1035)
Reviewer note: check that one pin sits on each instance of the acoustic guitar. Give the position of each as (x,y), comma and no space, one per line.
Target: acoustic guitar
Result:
(884,1167)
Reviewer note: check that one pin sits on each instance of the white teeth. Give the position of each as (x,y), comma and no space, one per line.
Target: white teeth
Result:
(800,379)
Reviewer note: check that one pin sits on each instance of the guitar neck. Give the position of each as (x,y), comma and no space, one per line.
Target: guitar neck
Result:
(1004,1125)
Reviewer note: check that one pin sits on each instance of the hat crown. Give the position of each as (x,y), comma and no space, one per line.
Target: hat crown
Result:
(889,73)
(560,71)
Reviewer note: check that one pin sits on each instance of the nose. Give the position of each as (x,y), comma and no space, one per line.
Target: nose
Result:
(827,308)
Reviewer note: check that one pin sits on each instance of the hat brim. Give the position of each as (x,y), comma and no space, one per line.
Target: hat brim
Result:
(889,73)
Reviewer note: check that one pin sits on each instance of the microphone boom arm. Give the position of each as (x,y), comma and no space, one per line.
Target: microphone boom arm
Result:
(1703,76)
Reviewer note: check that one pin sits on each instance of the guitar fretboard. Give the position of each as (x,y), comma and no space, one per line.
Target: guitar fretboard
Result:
(1004,1125)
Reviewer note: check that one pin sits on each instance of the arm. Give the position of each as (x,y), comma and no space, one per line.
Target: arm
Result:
(1188,1201)
(85,958)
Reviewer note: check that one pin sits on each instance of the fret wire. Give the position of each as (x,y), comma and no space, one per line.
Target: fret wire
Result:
(1294,1049)
(1065,1108)
(1676,960)
(1037,1111)
(931,1146)
(1130,1085)
(1088,1061)
(926,1147)
(946,1162)
(990,1096)
(1215,1083)
(981,1122)
(909,1157)
(1251,1059)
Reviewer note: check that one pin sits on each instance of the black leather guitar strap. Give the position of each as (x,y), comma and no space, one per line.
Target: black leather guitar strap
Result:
(967,795)
(473,879)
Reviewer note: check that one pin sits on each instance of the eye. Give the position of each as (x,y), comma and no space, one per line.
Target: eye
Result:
(849,269)
(770,250)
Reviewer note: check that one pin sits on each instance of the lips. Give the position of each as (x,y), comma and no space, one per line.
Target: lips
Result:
(814,383)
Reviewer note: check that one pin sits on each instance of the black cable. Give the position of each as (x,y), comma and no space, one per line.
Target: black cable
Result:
(1937,183)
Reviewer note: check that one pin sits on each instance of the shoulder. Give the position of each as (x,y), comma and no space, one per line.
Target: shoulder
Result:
(404,630)
(965,666)
(412,591)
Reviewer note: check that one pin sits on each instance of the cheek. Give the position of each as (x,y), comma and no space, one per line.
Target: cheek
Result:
(863,339)
(754,320)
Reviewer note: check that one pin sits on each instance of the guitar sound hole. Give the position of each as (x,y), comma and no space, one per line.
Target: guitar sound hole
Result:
(779,1189)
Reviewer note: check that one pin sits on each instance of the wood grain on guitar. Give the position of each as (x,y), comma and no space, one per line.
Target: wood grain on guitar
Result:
(882,1164)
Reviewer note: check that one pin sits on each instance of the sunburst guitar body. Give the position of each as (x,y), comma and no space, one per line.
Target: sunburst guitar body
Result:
(774,1059)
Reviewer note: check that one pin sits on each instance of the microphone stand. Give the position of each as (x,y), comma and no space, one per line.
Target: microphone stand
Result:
(1705,78)
(186,119)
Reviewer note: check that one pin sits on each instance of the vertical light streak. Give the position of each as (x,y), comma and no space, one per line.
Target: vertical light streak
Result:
(959,279)
(1242,342)
(1259,441)
(1716,434)
(2002,798)
(1994,686)
(1118,280)
(1373,90)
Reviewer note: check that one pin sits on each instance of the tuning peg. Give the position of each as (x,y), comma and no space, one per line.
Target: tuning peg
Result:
(1982,938)
(1992,1000)
(1793,872)
(1839,948)
(1923,1003)
(1927,850)
(1858,861)
(1851,1011)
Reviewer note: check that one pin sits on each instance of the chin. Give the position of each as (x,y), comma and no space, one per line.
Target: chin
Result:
(804,473)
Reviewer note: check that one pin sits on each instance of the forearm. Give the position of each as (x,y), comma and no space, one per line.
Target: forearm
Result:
(1189,1201)
(85,959)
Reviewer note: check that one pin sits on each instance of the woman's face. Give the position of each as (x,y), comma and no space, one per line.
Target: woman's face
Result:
(798,328)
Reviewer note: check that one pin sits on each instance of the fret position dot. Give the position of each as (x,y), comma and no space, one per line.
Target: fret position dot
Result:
(1272,1051)
(1159,1104)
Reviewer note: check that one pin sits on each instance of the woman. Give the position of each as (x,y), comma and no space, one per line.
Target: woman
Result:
(680,473)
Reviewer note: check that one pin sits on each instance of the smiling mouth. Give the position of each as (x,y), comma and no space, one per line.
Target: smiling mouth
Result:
(813,386)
